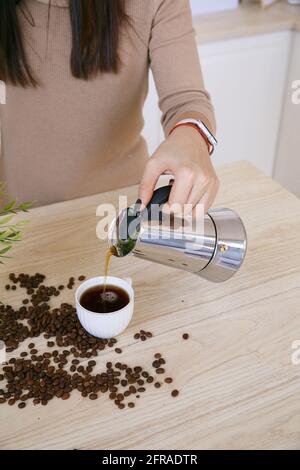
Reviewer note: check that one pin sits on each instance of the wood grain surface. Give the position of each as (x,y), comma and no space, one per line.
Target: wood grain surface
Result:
(238,386)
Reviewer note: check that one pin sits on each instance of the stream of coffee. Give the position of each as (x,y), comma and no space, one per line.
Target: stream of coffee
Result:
(110,252)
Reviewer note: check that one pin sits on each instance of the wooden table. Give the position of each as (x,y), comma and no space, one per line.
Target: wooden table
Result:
(238,386)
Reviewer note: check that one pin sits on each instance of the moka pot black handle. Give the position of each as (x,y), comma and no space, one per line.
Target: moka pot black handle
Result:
(160,196)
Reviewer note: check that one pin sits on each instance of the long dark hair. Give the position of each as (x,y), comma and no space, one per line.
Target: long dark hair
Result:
(95,38)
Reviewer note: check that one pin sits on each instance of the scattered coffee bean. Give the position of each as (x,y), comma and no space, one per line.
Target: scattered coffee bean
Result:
(185,336)
(118,350)
(81,278)
(93,396)
(168,380)
(157,385)
(160,370)
(175,393)
(22,405)
(131,405)
(143,335)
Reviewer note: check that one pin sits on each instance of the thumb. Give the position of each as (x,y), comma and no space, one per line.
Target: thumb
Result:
(153,170)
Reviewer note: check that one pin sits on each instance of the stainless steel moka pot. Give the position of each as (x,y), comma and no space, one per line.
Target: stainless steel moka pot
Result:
(213,247)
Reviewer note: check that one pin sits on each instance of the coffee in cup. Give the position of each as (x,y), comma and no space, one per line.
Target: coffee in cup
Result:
(105,298)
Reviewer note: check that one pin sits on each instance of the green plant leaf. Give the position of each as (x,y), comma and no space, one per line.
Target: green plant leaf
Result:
(25,206)
(10,206)
(14,236)
(10,232)
(4,250)
(21,223)
(6,219)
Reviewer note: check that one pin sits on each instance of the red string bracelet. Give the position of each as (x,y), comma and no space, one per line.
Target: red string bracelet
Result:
(190,124)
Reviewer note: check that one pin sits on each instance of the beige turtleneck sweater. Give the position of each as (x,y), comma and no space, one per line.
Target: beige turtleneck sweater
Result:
(69,137)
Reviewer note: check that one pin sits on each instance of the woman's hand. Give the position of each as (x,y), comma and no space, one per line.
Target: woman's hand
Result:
(183,154)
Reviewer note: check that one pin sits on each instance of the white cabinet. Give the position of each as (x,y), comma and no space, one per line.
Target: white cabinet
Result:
(246,78)
(287,165)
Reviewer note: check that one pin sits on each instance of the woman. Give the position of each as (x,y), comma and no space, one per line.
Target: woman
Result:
(76,76)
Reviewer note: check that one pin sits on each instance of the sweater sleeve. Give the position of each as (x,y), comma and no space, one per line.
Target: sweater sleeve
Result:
(176,67)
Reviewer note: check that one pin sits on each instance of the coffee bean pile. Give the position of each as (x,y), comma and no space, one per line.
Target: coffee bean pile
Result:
(42,376)
(39,379)
(143,335)
(60,323)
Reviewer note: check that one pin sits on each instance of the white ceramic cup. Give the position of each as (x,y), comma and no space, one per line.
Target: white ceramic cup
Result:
(105,325)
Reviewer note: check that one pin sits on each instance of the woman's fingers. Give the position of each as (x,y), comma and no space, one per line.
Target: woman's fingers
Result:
(181,189)
(154,168)
(208,197)
(199,189)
